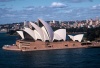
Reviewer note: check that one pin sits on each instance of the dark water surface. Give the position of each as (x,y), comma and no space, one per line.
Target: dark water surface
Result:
(69,58)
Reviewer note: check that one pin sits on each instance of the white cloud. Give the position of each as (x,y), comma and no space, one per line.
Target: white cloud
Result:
(96,7)
(58,5)
(77,1)
(31,13)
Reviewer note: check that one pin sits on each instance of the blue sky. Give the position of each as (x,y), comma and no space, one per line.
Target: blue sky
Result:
(19,10)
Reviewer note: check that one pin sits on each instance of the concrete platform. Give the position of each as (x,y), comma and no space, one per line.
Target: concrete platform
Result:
(39,45)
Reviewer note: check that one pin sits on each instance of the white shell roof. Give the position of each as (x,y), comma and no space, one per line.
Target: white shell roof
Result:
(61,33)
(56,37)
(78,37)
(39,30)
(21,34)
(30,32)
(71,37)
(45,34)
(37,35)
(48,30)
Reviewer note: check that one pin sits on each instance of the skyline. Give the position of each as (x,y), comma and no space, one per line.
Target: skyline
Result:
(12,11)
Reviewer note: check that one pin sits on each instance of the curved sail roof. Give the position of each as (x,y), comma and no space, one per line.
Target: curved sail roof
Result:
(71,37)
(61,33)
(45,34)
(78,37)
(37,35)
(48,30)
(30,32)
(56,37)
(39,30)
(21,34)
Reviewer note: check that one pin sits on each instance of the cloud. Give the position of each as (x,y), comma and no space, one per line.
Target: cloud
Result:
(31,13)
(96,6)
(58,5)
(76,1)
(6,0)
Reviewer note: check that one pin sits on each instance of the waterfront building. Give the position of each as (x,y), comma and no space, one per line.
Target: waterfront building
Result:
(42,37)
(43,32)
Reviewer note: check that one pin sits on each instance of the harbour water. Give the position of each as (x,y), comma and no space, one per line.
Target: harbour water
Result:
(69,58)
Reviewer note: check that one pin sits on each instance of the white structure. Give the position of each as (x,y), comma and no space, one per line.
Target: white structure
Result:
(44,32)
(39,31)
(78,37)
(60,34)
(53,21)
(48,30)
(21,34)
(30,32)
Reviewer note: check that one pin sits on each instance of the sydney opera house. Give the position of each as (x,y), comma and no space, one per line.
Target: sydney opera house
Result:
(42,32)
(40,36)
